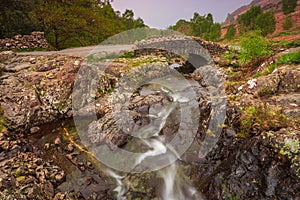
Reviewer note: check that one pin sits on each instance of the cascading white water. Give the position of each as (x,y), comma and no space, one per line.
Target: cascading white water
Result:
(175,186)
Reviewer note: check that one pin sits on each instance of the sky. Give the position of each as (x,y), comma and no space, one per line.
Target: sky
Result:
(163,13)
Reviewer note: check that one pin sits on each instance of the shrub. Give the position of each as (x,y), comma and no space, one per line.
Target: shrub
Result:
(254,47)
(288,22)
(288,6)
(230,32)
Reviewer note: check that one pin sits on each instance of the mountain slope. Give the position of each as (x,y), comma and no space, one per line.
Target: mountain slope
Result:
(266,5)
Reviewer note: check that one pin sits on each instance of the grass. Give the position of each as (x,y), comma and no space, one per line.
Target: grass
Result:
(255,120)
(265,92)
(2,120)
(289,59)
(134,62)
(129,54)
(285,33)
(111,56)
(92,58)
(287,44)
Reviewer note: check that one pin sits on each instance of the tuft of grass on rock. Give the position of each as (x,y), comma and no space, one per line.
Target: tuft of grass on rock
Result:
(289,59)
(255,120)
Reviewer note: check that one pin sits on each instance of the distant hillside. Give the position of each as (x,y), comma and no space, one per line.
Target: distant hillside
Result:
(266,5)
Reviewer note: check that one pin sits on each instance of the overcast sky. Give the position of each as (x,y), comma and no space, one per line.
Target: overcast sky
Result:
(163,13)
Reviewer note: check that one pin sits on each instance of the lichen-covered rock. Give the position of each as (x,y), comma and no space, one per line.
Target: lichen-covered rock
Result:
(33,93)
(283,80)
(252,168)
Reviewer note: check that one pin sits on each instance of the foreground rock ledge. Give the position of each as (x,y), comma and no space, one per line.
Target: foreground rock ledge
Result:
(37,89)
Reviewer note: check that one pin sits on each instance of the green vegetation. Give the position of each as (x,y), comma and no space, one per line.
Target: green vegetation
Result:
(256,19)
(290,147)
(184,27)
(2,121)
(129,54)
(292,44)
(104,56)
(255,120)
(266,71)
(66,23)
(14,17)
(288,22)
(265,92)
(247,19)
(289,59)
(200,26)
(253,47)
(137,61)
(230,32)
(265,22)
(288,6)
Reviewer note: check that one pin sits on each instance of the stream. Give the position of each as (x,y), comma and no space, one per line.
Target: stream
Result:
(174,183)
(165,179)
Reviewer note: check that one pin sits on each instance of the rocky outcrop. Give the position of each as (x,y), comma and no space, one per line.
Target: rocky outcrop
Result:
(36,40)
(261,167)
(36,89)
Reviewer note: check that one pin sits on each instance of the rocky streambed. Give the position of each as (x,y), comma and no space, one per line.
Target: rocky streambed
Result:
(43,154)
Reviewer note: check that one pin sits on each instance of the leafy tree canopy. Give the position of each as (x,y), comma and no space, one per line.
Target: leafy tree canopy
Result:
(201,26)
(256,19)
(288,6)
(67,23)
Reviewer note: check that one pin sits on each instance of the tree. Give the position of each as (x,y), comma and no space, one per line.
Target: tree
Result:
(265,22)
(288,6)
(200,26)
(14,18)
(183,26)
(128,14)
(197,24)
(247,19)
(231,31)
(255,19)
(288,22)
(214,32)
(130,22)
(70,23)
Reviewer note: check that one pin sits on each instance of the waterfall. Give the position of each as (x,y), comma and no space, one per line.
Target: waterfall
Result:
(175,186)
